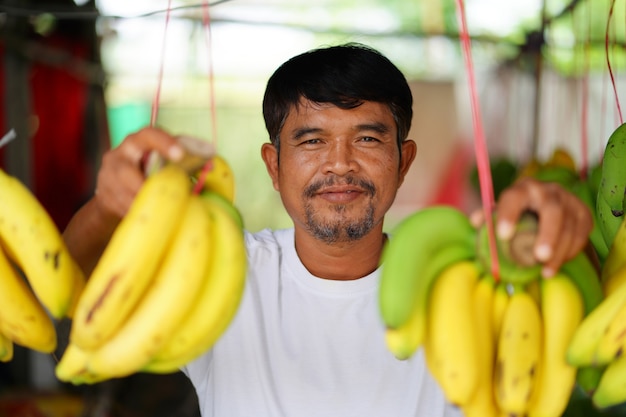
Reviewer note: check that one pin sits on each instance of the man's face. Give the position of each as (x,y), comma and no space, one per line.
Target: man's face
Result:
(338,170)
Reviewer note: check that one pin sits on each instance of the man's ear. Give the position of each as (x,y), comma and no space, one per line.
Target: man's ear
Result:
(409,150)
(269,153)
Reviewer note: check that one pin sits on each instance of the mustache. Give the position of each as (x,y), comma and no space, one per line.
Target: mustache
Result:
(365,185)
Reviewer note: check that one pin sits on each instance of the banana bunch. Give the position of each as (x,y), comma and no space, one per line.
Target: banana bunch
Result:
(39,280)
(495,346)
(167,285)
(600,340)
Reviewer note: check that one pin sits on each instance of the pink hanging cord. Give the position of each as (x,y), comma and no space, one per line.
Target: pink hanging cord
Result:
(480,146)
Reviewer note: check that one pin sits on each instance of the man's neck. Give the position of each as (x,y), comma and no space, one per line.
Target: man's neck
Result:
(340,260)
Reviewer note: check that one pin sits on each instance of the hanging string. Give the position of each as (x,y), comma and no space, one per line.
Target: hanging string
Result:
(584,139)
(208,166)
(157,95)
(480,147)
(608,61)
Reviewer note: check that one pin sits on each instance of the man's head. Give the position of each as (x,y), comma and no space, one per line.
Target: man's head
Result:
(345,76)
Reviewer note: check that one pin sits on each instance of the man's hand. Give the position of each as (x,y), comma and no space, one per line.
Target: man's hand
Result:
(565,221)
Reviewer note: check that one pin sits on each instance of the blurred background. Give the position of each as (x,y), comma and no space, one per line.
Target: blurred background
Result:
(77,76)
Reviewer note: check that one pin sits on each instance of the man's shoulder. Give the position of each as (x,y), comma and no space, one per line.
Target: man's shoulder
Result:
(269,239)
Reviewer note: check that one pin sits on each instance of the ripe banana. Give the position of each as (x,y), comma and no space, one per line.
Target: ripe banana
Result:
(500,301)
(613,181)
(6,348)
(217,176)
(562,309)
(176,284)
(518,353)
(131,257)
(611,389)
(404,340)
(612,343)
(33,241)
(584,343)
(483,402)
(23,319)
(73,366)
(451,330)
(218,298)
(407,272)
(614,281)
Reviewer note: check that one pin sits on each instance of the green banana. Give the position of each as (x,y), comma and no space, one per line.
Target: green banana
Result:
(512,268)
(588,377)
(613,181)
(407,259)
(404,340)
(607,222)
(583,190)
(582,272)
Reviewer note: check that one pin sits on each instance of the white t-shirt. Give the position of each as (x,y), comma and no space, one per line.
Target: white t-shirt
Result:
(302,346)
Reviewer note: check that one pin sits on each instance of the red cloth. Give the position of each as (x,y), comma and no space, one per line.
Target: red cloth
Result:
(59,101)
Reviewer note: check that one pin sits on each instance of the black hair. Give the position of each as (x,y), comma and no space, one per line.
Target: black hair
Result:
(343,75)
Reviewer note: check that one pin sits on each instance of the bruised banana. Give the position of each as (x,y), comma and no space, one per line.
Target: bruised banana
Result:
(582,349)
(562,309)
(483,403)
(33,241)
(403,341)
(176,283)
(407,272)
(22,317)
(131,258)
(451,331)
(218,298)
(518,353)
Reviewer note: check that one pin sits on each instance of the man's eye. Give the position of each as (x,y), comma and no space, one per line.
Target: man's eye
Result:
(311,141)
(369,139)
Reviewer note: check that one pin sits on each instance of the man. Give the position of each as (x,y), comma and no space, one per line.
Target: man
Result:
(307,339)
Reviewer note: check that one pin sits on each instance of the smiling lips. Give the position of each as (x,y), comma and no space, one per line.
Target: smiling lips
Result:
(340,194)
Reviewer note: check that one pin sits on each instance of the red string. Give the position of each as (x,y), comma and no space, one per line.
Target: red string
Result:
(480,147)
(206,22)
(157,95)
(608,61)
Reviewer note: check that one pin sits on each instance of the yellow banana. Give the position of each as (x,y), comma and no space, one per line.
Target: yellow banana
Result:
(613,341)
(6,348)
(562,309)
(483,402)
(132,256)
(518,353)
(218,177)
(22,317)
(584,343)
(405,339)
(218,298)
(73,365)
(176,284)
(500,301)
(451,330)
(613,280)
(611,389)
(34,243)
